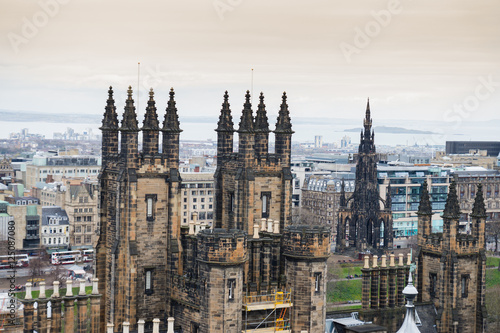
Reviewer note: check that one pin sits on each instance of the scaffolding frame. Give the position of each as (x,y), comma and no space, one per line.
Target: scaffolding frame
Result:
(277,305)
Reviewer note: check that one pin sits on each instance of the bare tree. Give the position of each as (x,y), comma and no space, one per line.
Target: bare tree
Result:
(493,231)
(38,265)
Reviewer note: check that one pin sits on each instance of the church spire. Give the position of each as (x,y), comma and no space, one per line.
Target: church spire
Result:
(284,124)
(452,208)
(479,209)
(342,201)
(129,121)
(388,198)
(151,117)
(171,122)
(425,207)
(110,119)
(225,123)
(246,120)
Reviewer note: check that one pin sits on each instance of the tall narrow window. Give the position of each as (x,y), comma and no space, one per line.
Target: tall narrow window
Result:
(231,202)
(231,284)
(465,282)
(317,282)
(150,206)
(266,198)
(148,281)
(433,282)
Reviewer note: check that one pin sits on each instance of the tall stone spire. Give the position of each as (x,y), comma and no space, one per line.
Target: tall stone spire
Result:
(262,129)
(129,151)
(452,208)
(225,130)
(225,123)
(388,198)
(110,119)
(109,144)
(342,199)
(171,122)
(246,137)
(246,120)
(283,133)
(367,144)
(479,208)
(261,122)
(150,128)
(171,132)
(425,207)
(151,117)
(284,124)
(129,121)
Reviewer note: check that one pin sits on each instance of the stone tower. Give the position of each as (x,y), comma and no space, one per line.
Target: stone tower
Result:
(451,265)
(214,280)
(363,225)
(139,204)
(306,251)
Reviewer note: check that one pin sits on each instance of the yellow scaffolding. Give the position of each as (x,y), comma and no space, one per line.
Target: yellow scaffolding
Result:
(275,305)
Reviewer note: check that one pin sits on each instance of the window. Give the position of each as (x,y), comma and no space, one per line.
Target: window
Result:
(89,228)
(317,282)
(78,229)
(88,239)
(266,198)
(150,206)
(148,275)
(202,199)
(465,285)
(194,206)
(194,199)
(78,239)
(433,284)
(185,199)
(78,219)
(231,201)
(231,284)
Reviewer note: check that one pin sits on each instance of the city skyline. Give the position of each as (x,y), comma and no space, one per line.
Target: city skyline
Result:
(415,60)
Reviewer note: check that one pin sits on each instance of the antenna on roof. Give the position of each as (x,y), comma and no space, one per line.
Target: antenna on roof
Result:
(138,75)
(251,89)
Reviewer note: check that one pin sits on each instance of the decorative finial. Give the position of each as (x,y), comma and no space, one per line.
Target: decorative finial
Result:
(452,208)
(479,208)
(129,92)
(151,93)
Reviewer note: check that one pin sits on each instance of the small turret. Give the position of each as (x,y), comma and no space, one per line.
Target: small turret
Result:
(150,128)
(425,207)
(261,129)
(246,132)
(109,129)
(225,129)
(478,217)
(171,131)
(452,208)
(129,133)
(283,133)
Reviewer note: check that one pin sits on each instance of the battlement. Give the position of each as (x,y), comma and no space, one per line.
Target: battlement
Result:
(222,246)
(306,241)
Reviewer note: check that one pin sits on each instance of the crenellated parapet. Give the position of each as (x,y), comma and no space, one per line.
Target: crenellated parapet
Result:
(306,242)
(220,246)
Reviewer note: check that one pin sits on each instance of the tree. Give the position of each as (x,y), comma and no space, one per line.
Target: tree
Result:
(38,265)
(493,231)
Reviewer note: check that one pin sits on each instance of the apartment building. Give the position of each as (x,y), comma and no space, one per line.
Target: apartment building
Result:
(197,199)
(58,167)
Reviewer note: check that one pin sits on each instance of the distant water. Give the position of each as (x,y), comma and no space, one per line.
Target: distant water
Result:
(332,130)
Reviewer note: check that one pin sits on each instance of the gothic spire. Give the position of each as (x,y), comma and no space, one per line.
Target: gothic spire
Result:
(261,123)
(367,122)
(479,209)
(225,123)
(284,124)
(452,208)
(151,117)
(388,198)
(171,121)
(246,120)
(343,201)
(129,121)
(110,119)
(425,207)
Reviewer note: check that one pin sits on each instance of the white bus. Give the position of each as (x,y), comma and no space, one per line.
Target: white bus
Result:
(65,257)
(20,260)
(87,255)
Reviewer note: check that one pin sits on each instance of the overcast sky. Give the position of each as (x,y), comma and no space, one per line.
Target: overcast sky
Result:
(414,59)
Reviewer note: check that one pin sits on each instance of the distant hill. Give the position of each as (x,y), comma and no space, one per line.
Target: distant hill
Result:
(391,130)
